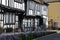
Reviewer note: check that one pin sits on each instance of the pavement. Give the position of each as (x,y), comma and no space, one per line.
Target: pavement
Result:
(55,36)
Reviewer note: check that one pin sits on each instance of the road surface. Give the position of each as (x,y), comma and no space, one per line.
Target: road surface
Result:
(50,37)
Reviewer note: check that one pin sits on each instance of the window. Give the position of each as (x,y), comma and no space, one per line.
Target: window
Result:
(29,22)
(7,2)
(36,23)
(1,23)
(3,2)
(1,16)
(20,1)
(31,5)
(44,10)
(15,5)
(30,12)
(30,8)
(16,18)
(0,1)
(20,6)
(9,18)
(37,9)
(16,25)
(23,6)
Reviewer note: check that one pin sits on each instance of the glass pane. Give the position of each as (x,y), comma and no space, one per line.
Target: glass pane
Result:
(16,18)
(23,6)
(7,2)
(29,23)
(13,18)
(38,13)
(0,16)
(16,25)
(8,26)
(1,23)
(10,18)
(15,5)
(5,26)
(30,12)
(3,2)
(25,23)
(6,17)
(44,10)
(20,6)
(32,5)
(13,26)
(36,20)
(0,1)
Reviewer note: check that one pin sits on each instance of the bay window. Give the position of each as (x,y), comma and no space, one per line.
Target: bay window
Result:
(4,2)
(19,4)
(30,8)
(44,10)
(15,5)
(37,9)
(9,18)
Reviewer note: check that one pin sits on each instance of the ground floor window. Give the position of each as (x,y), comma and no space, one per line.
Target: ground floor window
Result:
(8,19)
(30,24)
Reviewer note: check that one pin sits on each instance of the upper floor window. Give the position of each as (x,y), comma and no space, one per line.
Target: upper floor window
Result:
(37,9)
(0,1)
(20,1)
(30,8)
(44,10)
(19,5)
(3,2)
(30,12)
(9,18)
